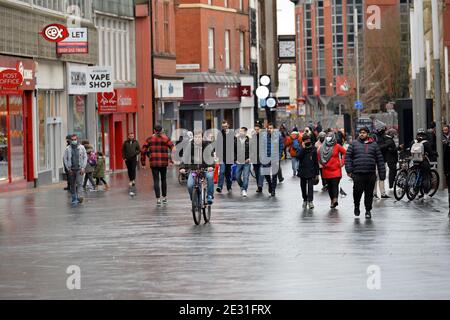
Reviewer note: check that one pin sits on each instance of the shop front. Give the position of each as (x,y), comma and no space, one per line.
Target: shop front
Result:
(16,126)
(168,94)
(51,120)
(116,118)
(205,105)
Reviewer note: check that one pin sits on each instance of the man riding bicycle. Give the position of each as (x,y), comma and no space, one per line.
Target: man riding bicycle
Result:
(199,155)
(421,152)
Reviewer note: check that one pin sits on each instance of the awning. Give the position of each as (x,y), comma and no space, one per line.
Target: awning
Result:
(209,78)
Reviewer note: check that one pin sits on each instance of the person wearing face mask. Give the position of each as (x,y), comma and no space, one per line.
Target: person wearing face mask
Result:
(362,160)
(75,160)
(332,158)
(242,159)
(308,170)
(66,170)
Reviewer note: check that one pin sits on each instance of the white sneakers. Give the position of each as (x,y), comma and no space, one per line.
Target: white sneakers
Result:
(244,193)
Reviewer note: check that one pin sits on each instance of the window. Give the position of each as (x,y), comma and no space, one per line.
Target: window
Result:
(227,50)
(226,3)
(210,2)
(157,49)
(241,5)
(114,46)
(241,51)
(211,48)
(166,28)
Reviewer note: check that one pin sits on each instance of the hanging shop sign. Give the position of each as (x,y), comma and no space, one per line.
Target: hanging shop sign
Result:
(55,32)
(76,42)
(83,79)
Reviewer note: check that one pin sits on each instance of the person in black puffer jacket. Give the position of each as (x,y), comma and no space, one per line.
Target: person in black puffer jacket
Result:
(362,160)
(308,170)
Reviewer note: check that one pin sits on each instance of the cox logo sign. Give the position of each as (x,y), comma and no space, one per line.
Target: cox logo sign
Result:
(55,32)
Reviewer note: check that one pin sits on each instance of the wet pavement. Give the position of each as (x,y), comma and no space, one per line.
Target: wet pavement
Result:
(254,248)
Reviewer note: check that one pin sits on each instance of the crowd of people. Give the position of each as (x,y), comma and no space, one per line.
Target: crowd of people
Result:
(316,154)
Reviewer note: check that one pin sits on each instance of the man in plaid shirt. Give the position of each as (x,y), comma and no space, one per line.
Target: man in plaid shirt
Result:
(157,149)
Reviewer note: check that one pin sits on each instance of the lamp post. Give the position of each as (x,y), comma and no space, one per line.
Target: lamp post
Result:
(437,87)
(355,22)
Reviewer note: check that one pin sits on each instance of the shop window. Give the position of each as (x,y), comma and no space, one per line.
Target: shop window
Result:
(78,115)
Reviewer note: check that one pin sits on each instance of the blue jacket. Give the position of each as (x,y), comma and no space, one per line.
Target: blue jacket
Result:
(364,157)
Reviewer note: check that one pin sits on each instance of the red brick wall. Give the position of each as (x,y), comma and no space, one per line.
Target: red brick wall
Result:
(192,36)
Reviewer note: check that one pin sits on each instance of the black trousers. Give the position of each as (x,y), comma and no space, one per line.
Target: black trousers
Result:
(307,187)
(324,181)
(272,181)
(131,167)
(157,173)
(88,176)
(364,183)
(280,173)
(392,173)
(333,187)
(97,181)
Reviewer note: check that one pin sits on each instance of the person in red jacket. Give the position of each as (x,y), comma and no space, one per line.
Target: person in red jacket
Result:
(331,156)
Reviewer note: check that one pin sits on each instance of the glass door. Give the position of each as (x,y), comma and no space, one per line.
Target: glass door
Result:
(16,136)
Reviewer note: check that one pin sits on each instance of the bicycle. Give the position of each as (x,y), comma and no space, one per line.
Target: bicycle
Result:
(199,202)
(400,182)
(415,183)
(182,178)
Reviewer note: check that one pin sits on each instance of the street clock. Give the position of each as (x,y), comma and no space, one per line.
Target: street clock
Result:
(286,49)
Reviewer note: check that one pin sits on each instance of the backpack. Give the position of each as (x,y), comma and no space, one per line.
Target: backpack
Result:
(92,159)
(417,152)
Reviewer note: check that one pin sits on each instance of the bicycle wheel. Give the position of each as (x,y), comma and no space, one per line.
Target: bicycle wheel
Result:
(434,182)
(411,190)
(196,206)
(181,178)
(400,185)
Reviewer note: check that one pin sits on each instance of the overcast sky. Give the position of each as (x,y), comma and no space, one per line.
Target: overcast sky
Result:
(285,17)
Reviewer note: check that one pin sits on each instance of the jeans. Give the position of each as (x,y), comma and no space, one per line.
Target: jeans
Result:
(295,162)
(225,174)
(157,172)
(258,176)
(243,170)
(209,182)
(333,187)
(131,167)
(75,179)
(364,183)
(307,186)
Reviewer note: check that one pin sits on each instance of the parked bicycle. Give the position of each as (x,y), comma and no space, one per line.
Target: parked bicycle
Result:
(200,205)
(400,182)
(416,183)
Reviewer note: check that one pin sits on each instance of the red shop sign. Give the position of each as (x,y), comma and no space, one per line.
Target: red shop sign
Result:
(123,100)
(55,32)
(10,79)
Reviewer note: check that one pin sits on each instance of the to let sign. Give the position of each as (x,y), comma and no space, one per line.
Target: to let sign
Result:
(100,79)
(76,42)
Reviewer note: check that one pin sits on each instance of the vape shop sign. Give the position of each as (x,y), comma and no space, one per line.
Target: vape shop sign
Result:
(83,79)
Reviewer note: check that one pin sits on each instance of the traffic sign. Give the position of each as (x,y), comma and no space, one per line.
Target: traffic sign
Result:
(358,105)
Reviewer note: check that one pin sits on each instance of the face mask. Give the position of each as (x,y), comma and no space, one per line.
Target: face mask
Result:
(328,139)
(74,142)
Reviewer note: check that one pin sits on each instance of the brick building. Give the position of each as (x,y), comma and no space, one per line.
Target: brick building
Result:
(212,45)
(325,39)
